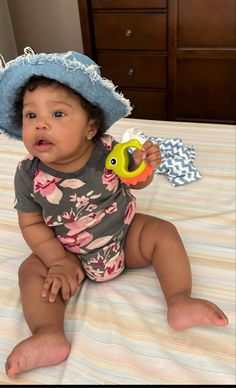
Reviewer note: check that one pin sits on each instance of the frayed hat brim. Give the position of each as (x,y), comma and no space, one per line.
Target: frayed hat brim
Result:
(73,69)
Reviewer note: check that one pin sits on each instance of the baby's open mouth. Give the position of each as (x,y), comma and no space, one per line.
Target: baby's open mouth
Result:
(43,145)
(43,142)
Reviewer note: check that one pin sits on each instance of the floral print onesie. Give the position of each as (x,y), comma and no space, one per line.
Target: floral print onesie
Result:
(89,210)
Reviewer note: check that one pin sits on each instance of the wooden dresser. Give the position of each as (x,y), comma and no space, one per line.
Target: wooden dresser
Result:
(174,59)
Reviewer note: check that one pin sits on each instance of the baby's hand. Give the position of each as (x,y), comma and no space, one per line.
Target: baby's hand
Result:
(150,153)
(64,276)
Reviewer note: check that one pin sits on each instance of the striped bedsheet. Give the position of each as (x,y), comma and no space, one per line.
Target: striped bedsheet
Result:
(118,329)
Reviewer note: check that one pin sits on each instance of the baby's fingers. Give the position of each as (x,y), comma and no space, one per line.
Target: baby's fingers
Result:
(46,286)
(55,288)
(65,289)
(74,284)
(51,288)
(139,155)
(153,156)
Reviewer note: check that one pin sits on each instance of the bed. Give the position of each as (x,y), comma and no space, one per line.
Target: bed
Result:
(118,329)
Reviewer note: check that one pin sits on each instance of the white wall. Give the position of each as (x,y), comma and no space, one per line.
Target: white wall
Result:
(46,25)
(7,40)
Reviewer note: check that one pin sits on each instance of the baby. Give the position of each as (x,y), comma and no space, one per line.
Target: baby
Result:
(78,218)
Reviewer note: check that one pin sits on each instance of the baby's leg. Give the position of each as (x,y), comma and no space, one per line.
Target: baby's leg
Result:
(47,345)
(151,240)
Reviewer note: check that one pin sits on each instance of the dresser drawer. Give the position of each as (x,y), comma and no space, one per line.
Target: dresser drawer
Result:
(130,31)
(136,70)
(147,104)
(116,4)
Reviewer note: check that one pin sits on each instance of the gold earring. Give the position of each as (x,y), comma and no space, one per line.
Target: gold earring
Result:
(89,137)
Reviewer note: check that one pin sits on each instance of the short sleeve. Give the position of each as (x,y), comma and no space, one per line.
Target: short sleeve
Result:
(23,183)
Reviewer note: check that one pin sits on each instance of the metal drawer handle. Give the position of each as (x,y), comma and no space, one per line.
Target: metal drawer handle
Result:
(131,72)
(128,33)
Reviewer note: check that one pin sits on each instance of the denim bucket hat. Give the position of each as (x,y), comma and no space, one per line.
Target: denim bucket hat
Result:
(71,68)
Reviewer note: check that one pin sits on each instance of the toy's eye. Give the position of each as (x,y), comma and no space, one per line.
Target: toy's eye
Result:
(113,161)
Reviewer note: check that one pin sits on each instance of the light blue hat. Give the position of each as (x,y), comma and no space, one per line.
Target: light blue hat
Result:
(74,69)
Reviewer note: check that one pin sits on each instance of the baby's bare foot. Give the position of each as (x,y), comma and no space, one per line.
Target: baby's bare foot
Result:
(41,349)
(185,312)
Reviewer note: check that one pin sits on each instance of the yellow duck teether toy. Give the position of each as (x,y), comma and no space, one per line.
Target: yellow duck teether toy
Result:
(118,161)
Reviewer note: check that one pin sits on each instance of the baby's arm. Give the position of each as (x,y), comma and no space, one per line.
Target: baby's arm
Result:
(152,155)
(65,272)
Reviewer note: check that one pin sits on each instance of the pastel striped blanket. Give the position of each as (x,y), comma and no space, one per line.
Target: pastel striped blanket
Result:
(118,329)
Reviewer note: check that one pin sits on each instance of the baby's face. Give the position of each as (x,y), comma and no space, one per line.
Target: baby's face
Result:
(56,127)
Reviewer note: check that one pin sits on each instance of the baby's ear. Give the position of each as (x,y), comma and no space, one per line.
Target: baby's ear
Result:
(93,128)
(91,133)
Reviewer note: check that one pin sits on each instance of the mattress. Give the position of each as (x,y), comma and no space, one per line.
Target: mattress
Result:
(118,329)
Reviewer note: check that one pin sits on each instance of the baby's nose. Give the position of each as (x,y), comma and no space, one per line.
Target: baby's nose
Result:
(41,124)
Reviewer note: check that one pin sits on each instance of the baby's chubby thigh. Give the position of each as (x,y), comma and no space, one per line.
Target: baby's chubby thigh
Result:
(30,267)
(143,238)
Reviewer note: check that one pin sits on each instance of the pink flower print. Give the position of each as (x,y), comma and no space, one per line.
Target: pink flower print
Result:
(112,208)
(73,197)
(81,201)
(99,242)
(65,240)
(45,184)
(130,212)
(100,269)
(75,227)
(93,273)
(75,243)
(72,183)
(84,223)
(68,216)
(115,267)
(107,141)
(110,269)
(91,208)
(48,220)
(110,179)
(115,247)
(95,267)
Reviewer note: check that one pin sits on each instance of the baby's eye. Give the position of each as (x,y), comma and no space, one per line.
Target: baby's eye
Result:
(30,115)
(58,114)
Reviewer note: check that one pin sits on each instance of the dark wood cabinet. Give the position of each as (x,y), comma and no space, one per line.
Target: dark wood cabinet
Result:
(174,59)
(202,60)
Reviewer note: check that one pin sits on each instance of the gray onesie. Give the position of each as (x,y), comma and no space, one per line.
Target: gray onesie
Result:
(89,210)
